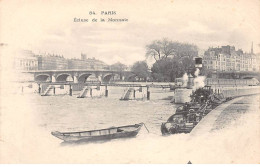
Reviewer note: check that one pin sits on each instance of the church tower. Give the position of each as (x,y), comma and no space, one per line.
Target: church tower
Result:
(252,49)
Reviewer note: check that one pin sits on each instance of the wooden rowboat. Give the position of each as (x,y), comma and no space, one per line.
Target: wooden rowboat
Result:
(101,134)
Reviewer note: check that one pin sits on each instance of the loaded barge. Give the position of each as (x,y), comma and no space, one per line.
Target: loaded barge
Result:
(187,116)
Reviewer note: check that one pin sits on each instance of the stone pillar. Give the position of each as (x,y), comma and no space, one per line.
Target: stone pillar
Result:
(99,78)
(76,78)
(53,78)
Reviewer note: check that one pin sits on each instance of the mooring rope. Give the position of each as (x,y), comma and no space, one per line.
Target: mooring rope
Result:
(146,127)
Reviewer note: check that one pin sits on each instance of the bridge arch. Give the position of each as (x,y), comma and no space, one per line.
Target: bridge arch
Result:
(42,77)
(130,78)
(83,77)
(248,77)
(63,77)
(116,77)
(107,77)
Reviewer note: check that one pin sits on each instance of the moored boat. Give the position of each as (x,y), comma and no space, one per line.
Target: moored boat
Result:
(190,114)
(101,134)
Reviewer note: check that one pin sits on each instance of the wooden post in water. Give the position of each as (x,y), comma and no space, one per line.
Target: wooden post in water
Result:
(106,92)
(54,90)
(39,89)
(70,91)
(148,93)
(134,94)
(90,92)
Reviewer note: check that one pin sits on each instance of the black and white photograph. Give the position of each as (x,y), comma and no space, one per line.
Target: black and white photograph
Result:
(130,82)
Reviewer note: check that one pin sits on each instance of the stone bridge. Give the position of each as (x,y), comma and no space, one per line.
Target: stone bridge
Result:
(237,75)
(80,75)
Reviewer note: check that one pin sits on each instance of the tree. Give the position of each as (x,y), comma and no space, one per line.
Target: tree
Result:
(186,50)
(173,59)
(119,67)
(206,72)
(162,49)
(167,70)
(140,69)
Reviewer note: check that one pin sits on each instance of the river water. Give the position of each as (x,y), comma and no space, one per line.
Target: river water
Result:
(68,113)
(27,120)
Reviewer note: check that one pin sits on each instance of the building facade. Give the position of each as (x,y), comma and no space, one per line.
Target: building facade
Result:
(57,62)
(86,63)
(25,60)
(52,62)
(227,58)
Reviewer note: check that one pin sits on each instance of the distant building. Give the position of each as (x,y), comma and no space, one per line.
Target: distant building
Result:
(15,61)
(83,56)
(227,58)
(86,63)
(52,62)
(24,60)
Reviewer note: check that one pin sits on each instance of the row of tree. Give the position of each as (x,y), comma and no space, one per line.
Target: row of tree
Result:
(172,60)
(140,69)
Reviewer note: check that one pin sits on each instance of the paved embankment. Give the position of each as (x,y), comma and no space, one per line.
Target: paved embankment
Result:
(224,114)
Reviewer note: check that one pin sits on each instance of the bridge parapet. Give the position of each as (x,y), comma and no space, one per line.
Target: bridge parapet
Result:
(77,76)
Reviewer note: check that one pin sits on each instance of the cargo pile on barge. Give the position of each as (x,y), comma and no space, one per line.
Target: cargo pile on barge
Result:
(187,116)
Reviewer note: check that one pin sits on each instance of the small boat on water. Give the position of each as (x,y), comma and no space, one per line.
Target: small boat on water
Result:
(101,134)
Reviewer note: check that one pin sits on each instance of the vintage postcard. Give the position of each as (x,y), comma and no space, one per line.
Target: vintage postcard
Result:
(130,82)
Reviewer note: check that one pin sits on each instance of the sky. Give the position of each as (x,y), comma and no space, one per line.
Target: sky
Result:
(49,27)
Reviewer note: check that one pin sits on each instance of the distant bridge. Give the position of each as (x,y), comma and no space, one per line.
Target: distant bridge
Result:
(236,75)
(79,75)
